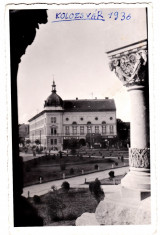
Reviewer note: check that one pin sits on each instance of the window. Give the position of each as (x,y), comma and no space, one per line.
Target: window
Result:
(51,141)
(55,131)
(89,129)
(74,123)
(55,141)
(96,129)
(67,119)
(103,122)
(103,129)
(67,130)
(96,118)
(111,129)
(88,123)
(81,118)
(111,118)
(74,130)
(53,119)
(81,130)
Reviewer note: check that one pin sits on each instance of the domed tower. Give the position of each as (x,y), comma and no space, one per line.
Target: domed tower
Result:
(53,108)
(54,101)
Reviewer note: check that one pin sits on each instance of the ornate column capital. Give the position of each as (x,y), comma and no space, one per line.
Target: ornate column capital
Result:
(130,63)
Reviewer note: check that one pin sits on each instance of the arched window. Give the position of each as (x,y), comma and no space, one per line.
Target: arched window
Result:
(89,123)
(74,123)
(104,123)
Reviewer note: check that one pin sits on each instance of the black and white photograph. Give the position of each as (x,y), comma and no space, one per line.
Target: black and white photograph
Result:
(80,115)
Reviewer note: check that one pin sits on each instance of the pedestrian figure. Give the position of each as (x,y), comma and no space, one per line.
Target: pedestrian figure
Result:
(122,158)
(34,153)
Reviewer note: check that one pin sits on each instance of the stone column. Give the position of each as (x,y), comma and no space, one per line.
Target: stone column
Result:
(131,67)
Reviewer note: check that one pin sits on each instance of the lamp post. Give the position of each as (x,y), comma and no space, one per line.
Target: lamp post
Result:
(40,140)
(89,128)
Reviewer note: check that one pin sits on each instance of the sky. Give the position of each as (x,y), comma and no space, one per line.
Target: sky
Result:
(74,53)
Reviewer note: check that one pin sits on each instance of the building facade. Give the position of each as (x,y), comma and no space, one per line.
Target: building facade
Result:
(23,132)
(62,120)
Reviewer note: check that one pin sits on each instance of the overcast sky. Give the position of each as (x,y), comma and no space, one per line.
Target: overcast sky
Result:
(74,52)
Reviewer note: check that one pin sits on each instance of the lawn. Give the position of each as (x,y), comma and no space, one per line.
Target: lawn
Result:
(59,208)
(53,168)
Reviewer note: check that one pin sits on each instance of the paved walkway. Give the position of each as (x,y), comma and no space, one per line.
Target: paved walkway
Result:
(77,181)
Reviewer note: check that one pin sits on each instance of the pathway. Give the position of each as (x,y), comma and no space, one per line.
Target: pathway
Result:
(77,181)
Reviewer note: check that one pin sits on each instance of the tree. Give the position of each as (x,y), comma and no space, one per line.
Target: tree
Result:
(96,190)
(123,131)
(37,141)
(28,141)
(65,186)
(21,140)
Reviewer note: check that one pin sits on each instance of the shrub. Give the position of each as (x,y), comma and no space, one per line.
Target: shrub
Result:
(36,199)
(71,171)
(55,207)
(71,216)
(65,186)
(73,151)
(96,190)
(96,167)
(54,188)
(111,174)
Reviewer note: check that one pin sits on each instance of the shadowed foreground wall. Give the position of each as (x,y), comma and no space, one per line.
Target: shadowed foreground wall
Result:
(23,24)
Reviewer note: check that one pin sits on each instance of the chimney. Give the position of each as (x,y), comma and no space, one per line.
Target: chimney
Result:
(95,98)
(76,98)
(106,98)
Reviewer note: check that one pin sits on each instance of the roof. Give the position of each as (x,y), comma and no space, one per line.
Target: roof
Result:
(89,105)
(53,100)
(94,105)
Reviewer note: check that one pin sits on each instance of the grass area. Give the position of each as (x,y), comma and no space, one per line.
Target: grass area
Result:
(59,208)
(53,168)
(104,152)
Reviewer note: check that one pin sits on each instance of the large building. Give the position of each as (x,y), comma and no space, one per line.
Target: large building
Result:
(63,120)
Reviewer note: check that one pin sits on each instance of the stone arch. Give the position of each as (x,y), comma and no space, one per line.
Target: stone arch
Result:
(23,24)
